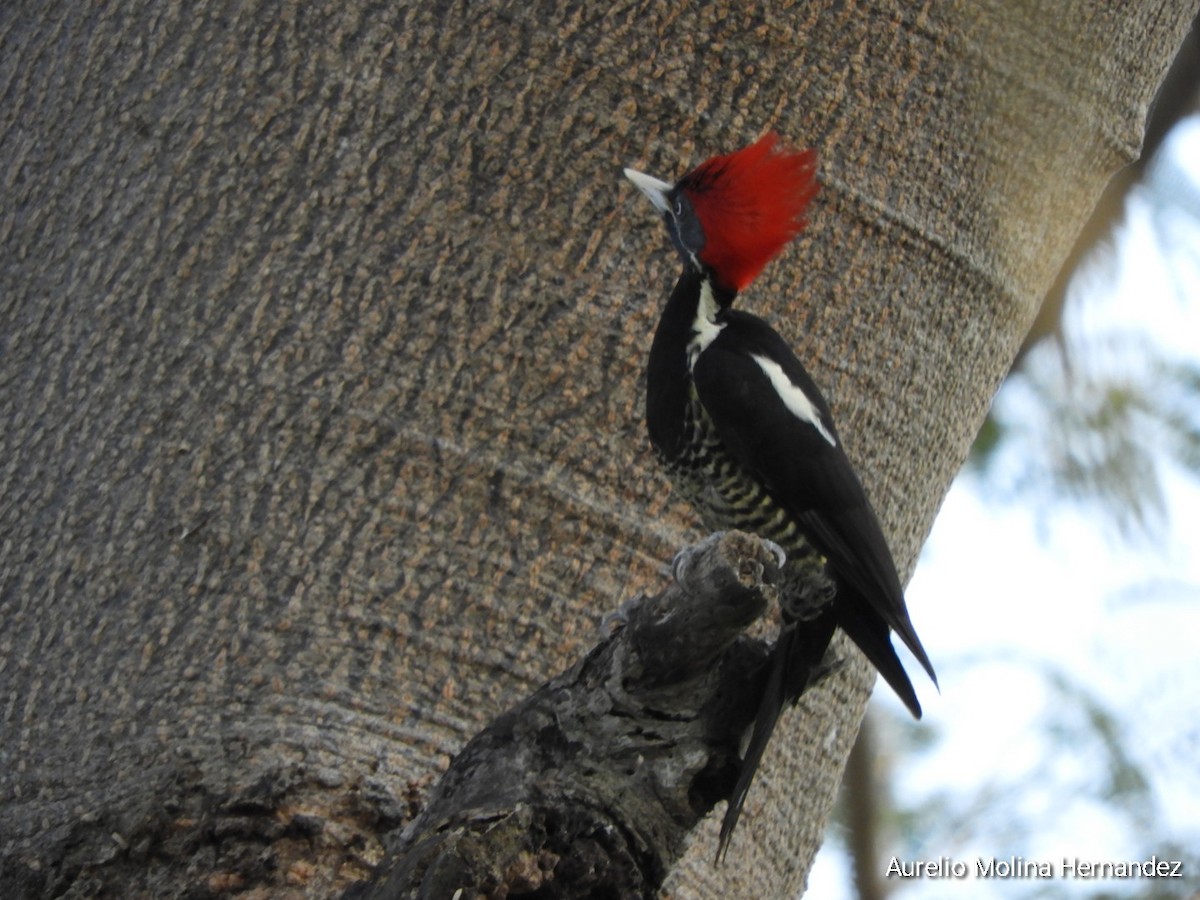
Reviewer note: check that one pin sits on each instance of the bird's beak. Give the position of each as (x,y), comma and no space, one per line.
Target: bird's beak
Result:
(654,189)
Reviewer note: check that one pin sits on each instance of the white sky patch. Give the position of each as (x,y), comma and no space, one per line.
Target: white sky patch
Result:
(793,398)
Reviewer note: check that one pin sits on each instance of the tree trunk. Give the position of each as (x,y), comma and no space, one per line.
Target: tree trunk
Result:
(324,328)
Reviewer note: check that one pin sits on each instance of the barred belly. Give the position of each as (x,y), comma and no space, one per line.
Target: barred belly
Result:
(729,497)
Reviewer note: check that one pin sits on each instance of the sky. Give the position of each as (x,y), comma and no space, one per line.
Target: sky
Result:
(1028,607)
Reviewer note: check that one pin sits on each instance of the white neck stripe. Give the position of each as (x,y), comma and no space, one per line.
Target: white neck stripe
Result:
(704,327)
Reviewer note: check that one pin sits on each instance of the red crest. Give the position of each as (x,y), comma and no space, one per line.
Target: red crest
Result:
(750,204)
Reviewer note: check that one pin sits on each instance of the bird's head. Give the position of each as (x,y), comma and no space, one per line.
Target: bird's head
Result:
(731,214)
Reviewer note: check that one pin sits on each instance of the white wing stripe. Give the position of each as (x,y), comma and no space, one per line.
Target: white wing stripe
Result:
(793,398)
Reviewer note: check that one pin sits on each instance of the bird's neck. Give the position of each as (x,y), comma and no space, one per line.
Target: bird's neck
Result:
(689,323)
(693,310)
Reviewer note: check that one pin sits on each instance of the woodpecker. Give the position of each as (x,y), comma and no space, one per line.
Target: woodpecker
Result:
(748,439)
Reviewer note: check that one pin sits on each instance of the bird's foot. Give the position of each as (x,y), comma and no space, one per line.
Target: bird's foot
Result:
(683,559)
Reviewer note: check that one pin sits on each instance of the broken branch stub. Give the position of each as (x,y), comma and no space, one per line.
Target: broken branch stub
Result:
(596,778)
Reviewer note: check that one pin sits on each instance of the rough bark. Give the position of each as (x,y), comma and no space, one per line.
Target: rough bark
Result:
(590,786)
(1178,96)
(323,328)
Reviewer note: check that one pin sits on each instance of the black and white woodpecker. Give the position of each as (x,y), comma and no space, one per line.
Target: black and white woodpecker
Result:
(748,439)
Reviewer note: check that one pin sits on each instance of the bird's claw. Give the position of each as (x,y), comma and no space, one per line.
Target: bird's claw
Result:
(683,559)
(776,551)
(617,619)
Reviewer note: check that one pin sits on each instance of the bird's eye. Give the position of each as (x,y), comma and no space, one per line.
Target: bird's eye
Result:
(678,208)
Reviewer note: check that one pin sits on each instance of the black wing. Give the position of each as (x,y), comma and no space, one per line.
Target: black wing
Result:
(773,420)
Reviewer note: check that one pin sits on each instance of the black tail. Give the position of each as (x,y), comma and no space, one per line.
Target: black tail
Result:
(797,654)
(870,632)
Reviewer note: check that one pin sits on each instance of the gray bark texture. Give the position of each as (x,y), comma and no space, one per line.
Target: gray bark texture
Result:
(322,337)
